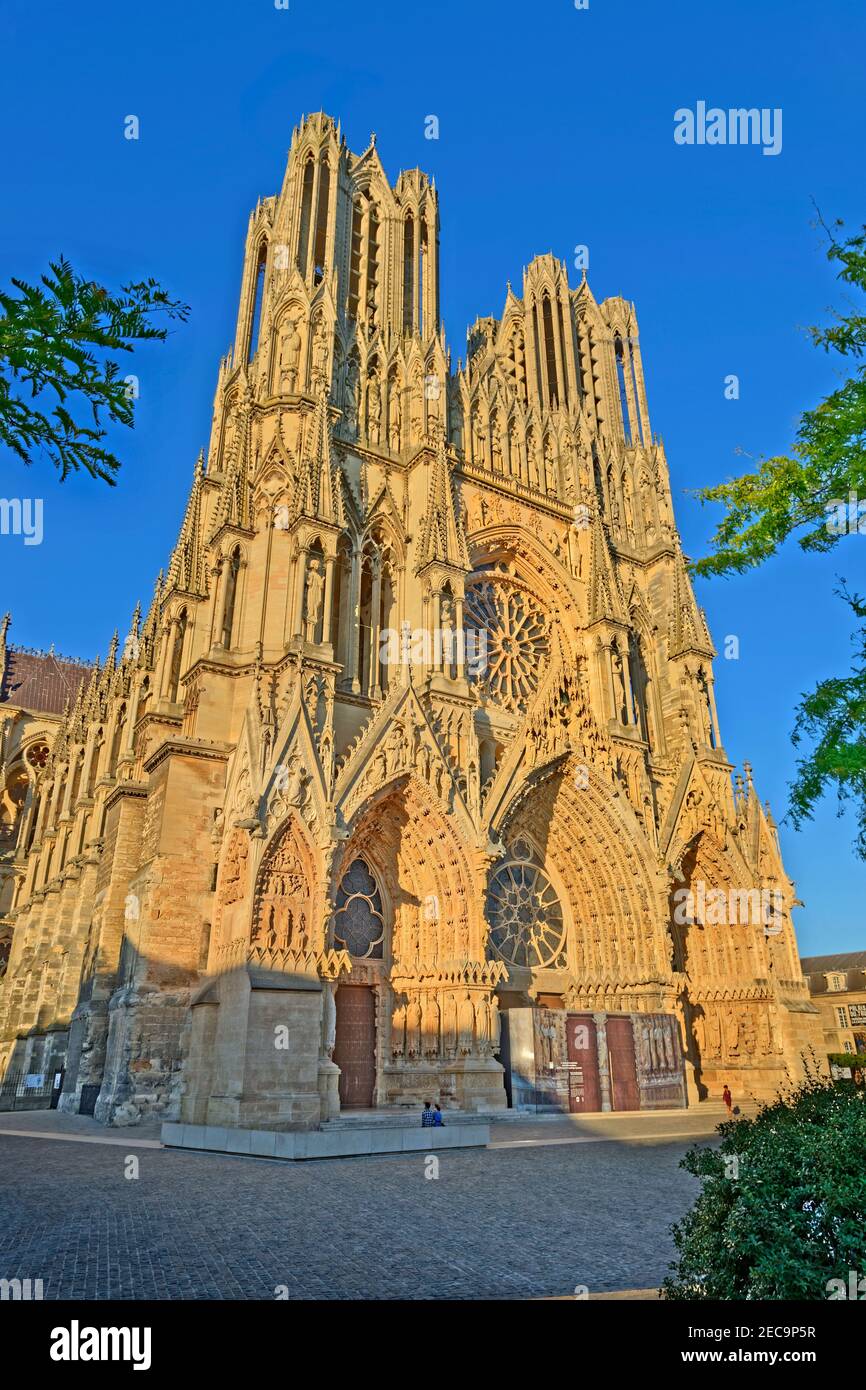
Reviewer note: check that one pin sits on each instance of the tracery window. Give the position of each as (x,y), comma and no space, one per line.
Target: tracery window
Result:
(514,629)
(524,912)
(359,923)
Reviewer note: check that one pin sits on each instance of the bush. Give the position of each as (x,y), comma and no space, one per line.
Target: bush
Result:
(783,1206)
(848,1059)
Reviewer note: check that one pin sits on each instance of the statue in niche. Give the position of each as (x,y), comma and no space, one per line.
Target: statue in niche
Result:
(413,1027)
(714,1035)
(629,514)
(549,470)
(465,1023)
(497,453)
(430,1026)
(315,589)
(619,686)
(483,1022)
(320,351)
(765,1041)
(422,762)
(398,1030)
(395,418)
(290,356)
(351,400)
(732,1033)
(329,1021)
(449,1022)
(480,441)
(374,411)
(394,748)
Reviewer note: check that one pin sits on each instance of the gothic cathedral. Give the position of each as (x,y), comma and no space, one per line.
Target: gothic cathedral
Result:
(417,738)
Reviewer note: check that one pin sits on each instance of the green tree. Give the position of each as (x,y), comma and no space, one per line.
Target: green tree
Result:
(782,1211)
(58,338)
(815,494)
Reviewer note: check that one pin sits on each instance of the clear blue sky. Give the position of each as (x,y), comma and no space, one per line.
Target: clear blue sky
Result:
(556,128)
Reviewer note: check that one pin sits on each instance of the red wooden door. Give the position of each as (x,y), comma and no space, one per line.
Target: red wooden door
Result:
(623,1074)
(584,1090)
(355,1044)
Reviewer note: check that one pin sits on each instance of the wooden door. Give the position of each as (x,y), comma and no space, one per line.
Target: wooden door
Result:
(623,1074)
(584,1089)
(355,1045)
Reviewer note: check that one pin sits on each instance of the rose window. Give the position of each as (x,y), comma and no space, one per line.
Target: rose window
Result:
(523,910)
(513,639)
(359,924)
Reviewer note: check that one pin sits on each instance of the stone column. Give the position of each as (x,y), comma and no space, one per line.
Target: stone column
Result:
(328,601)
(460,637)
(354,620)
(603,1061)
(437,631)
(300,586)
(373,687)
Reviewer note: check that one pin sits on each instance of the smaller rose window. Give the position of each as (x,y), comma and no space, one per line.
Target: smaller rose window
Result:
(525,916)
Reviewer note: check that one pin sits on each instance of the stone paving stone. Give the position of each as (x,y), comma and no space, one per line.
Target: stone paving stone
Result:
(508,1223)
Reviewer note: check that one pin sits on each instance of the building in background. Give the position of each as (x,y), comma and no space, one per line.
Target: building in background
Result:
(36,690)
(418,727)
(837,985)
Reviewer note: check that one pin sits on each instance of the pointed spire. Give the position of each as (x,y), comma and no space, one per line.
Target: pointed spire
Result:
(443,539)
(605,596)
(186,569)
(316,488)
(688,626)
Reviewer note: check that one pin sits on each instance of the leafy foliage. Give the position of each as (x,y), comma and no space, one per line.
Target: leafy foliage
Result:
(829,456)
(804,494)
(783,1205)
(47,341)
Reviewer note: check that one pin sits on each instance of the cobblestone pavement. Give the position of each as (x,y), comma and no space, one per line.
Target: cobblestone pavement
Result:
(514,1222)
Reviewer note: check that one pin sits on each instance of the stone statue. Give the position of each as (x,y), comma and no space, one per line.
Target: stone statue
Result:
(351,401)
(395,418)
(315,589)
(465,1023)
(374,411)
(320,351)
(413,1027)
(290,356)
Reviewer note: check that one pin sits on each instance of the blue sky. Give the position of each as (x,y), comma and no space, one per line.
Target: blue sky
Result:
(555,129)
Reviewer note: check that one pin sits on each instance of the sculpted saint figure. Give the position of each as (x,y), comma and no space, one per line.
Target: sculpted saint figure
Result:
(395,418)
(374,411)
(413,1028)
(466,1023)
(320,351)
(313,598)
(290,356)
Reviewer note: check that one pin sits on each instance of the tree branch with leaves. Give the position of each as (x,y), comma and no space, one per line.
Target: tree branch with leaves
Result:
(58,338)
(804,495)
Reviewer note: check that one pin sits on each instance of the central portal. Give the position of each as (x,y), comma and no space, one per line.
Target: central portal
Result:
(355,1045)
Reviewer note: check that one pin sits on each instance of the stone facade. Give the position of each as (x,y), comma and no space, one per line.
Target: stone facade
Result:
(419,725)
(837,985)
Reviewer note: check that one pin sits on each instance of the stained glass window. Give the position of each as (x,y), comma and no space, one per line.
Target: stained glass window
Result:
(359,925)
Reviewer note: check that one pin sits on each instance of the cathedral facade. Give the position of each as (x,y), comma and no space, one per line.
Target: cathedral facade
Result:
(418,728)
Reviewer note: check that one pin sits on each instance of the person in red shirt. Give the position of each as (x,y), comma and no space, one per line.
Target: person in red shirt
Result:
(728,1099)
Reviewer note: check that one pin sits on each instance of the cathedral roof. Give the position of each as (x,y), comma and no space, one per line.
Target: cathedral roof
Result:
(846,960)
(41,681)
